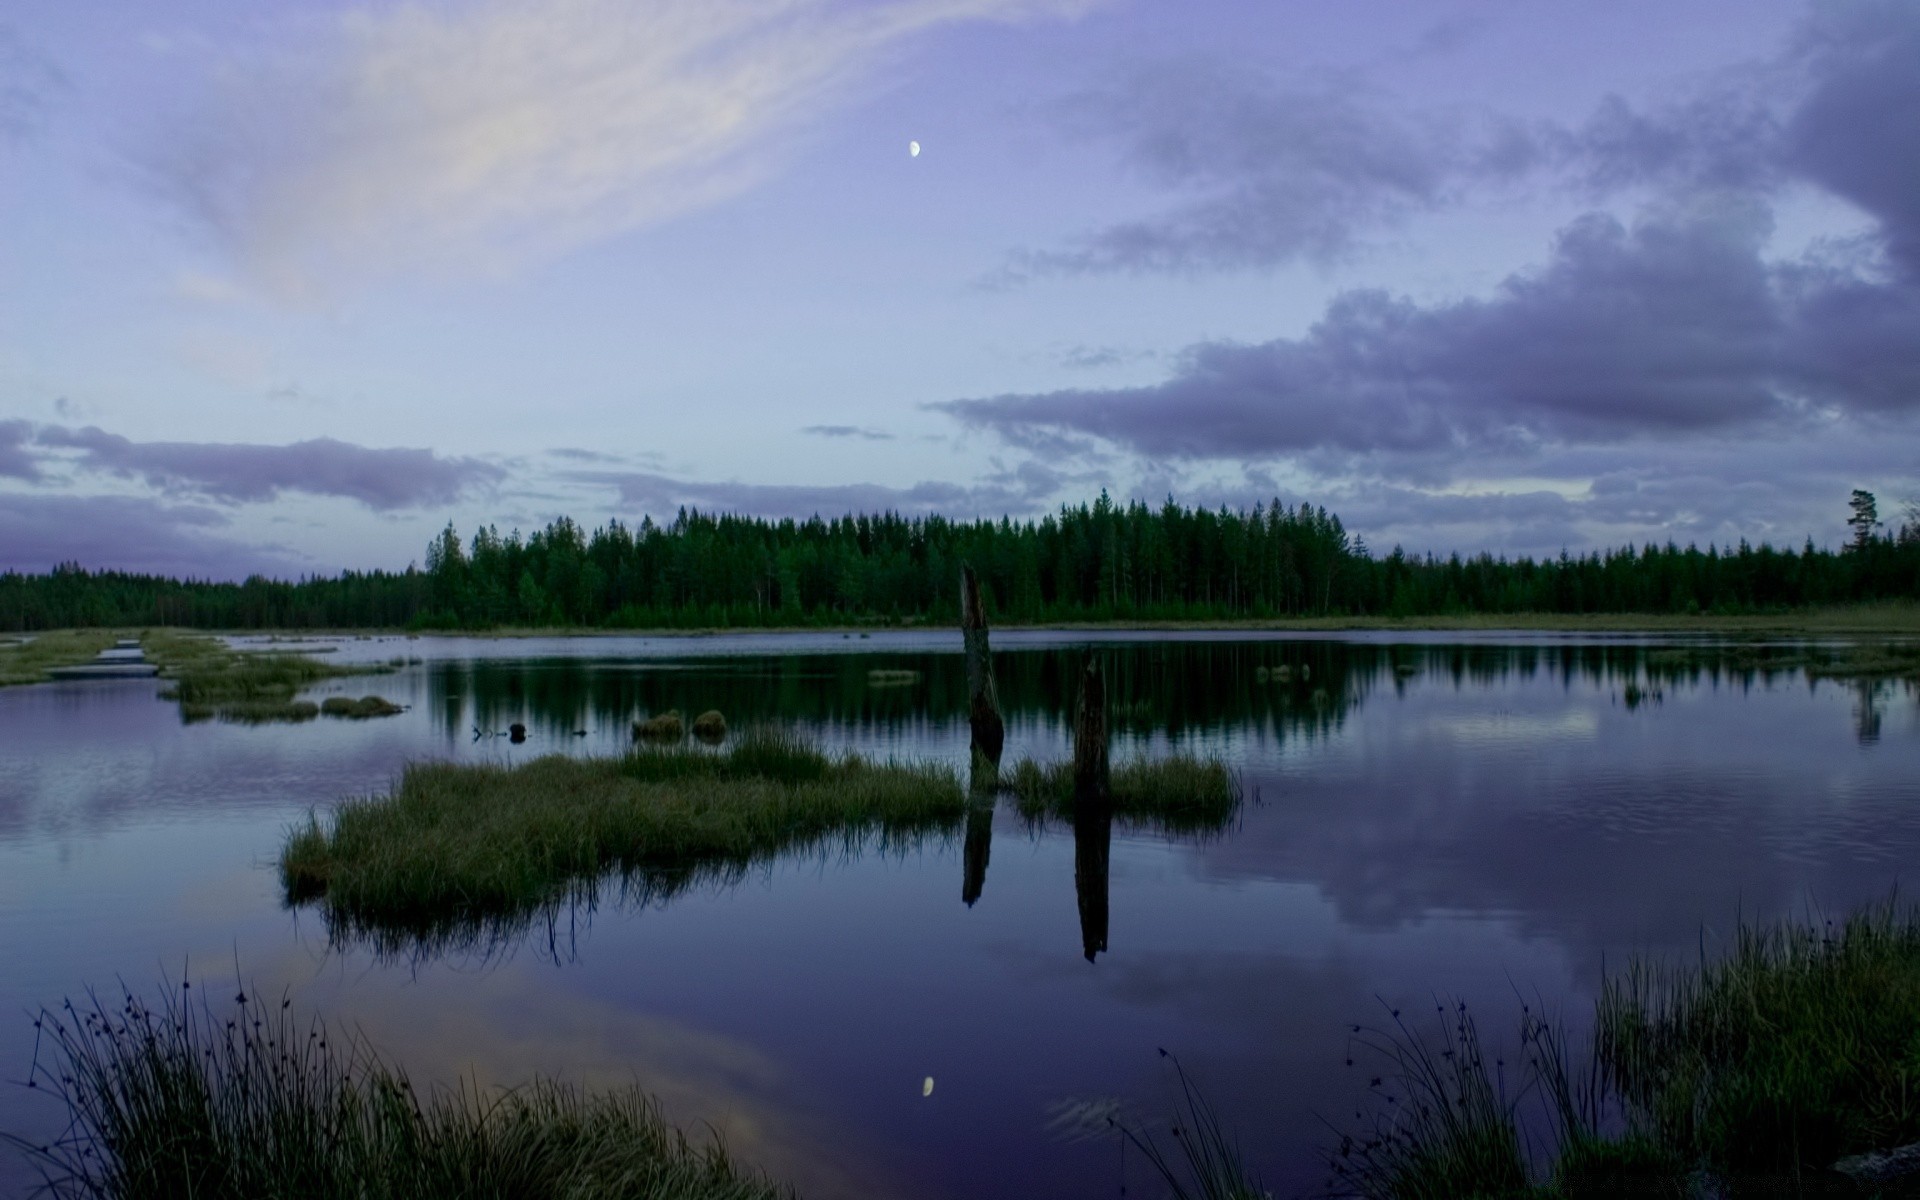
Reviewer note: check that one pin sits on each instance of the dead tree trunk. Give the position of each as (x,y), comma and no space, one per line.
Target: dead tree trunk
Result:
(978,848)
(1090,776)
(983,706)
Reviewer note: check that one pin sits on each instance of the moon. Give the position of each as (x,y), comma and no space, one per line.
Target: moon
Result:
(913,149)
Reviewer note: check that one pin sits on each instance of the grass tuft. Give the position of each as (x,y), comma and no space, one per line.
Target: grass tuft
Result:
(361,709)
(668,726)
(253,1102)
(1177,794)
(470,852)
(212,680)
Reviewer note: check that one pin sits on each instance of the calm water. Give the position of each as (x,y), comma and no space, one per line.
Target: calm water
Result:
(1441,817)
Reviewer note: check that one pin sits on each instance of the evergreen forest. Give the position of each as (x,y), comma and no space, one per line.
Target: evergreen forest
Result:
(1094,562)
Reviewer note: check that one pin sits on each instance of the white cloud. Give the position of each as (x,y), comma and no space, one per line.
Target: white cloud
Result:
(480,136)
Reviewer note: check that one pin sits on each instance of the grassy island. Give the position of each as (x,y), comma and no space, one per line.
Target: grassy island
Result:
(459,844)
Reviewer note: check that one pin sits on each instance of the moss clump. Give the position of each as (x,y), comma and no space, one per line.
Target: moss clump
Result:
(668,726)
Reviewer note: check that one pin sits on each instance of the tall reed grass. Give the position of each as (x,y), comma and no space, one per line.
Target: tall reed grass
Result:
(246,1100)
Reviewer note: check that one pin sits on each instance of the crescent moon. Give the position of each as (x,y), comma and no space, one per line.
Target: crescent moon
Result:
(913,149)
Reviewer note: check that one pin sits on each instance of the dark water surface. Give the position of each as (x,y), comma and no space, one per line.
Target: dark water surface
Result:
(1450,816)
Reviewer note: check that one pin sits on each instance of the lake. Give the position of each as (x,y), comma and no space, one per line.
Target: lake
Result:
(1492,818)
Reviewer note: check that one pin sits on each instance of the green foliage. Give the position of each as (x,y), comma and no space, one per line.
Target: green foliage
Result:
(251,1102)
(459,852)
(27,661)
(210,679)
(1801,1046)
(1097,562)
(361,709)
(1179,793)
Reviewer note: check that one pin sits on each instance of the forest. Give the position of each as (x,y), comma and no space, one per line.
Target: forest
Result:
(1093,562)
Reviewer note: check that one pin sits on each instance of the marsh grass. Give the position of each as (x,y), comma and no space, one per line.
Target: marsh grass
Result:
(456,851)
(28,661)
(250,1101)
(1800,1046)
(1866,660)
(884,678)
(1176,794)
(1205,1162)
(361,709)
(1753,1073)
(211,680)
(710,726)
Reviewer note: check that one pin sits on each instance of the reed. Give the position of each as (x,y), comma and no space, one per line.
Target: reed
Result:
(1798,1047)
(247,1100)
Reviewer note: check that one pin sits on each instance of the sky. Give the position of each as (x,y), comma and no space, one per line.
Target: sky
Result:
(285,288)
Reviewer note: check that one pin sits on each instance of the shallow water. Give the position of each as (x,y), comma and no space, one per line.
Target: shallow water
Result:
(1446,815)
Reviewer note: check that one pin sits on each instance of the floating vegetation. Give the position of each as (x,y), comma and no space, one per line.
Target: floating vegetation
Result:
(361,709)
(247,1100)
(668,726)
(466,851)
(884,678)
(710,726)
(1864,660)
(1178,794)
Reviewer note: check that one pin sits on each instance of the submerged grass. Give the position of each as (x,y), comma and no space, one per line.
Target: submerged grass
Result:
(1178,794)
(27,661)
(253,1102)
(459,847)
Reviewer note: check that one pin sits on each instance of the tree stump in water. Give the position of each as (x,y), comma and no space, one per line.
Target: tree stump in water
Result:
(1090,775)
(983,706)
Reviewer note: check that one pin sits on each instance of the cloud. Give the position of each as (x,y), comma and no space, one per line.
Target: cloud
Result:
(237,472)
(1675,326)
(490,133)
(129,533)
(1857,132)
(848,431)
(16,461)
(1268,174)
(1017,490)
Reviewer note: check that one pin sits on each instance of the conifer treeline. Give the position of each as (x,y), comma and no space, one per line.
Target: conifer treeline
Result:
(1093,562)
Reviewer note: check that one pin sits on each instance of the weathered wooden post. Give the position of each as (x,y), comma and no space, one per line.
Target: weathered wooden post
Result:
(1090,776)
(1092,810)
(983,705)
(977,848)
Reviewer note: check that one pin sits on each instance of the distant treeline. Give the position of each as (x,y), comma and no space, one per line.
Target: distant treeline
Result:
(1091,563)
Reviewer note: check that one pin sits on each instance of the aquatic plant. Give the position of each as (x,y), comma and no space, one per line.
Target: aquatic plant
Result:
(454,847)
(1799,1046)
(1179,793)
(1206,1163)
(248,1100)
(710,726)
(668,726)
(27,661)
(210,679)
(361,709)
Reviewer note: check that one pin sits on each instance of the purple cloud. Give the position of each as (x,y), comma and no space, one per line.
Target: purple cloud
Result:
(16,461)
(1676,326)
(129,533)
(236,472)
(848,431)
